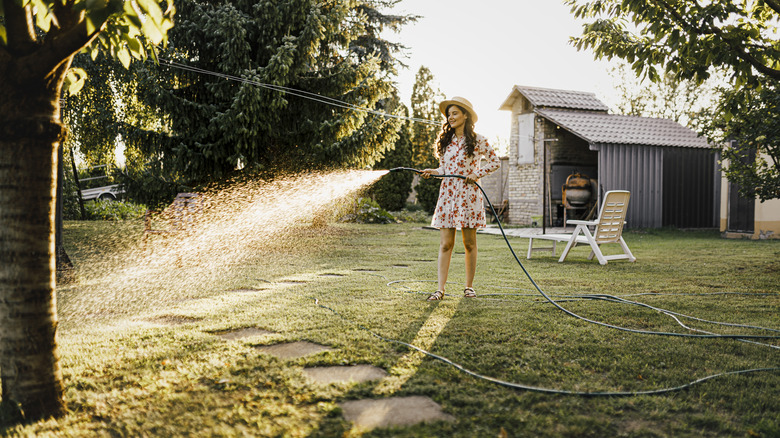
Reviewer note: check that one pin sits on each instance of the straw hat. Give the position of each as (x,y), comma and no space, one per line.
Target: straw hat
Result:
(461,102)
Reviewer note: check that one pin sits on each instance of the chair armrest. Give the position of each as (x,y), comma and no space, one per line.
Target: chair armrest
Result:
(578,222)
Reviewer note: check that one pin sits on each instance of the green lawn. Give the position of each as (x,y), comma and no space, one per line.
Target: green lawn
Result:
(141,356)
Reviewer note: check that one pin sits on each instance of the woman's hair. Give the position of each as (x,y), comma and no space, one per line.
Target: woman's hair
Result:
(445,136)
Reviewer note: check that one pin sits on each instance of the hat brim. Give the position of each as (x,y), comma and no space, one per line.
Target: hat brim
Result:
(443,108)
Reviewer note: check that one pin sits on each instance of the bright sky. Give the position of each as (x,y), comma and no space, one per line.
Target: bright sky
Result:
(480,49)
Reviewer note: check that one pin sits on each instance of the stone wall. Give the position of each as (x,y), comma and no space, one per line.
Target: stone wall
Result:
(524,181)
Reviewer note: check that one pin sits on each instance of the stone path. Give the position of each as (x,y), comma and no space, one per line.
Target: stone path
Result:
(342,374)
(365,414)
(526,232)
(394,411)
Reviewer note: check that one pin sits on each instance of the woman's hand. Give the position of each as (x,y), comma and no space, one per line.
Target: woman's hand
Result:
(427,173)
(471,178)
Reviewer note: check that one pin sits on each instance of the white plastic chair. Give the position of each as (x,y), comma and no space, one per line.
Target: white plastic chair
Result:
(609,229)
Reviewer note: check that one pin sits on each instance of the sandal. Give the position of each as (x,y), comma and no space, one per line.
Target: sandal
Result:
(436,296)
(469,293)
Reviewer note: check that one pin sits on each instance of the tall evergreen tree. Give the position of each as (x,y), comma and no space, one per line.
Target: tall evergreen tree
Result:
(425,105)
(392,190)
(292,58)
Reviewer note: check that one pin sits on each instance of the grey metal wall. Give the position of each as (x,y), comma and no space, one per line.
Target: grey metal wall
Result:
(689,189)
(670,186)
(638,169)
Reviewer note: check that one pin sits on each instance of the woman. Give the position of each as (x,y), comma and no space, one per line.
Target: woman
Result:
(460,203)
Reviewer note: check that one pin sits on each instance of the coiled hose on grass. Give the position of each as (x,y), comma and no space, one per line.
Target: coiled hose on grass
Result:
(744,338)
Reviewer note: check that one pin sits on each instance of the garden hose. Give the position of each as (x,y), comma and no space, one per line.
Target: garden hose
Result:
(567,311)
(513,385)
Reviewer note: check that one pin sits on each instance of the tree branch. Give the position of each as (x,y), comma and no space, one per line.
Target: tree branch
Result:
(55,51)
(67,18)
(738,48)
(19,27)
(680,19)
(5,56)
(773,4)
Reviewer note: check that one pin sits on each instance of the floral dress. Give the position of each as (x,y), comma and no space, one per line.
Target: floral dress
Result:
(461,205)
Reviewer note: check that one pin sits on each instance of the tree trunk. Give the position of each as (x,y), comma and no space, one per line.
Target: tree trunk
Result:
(30,134)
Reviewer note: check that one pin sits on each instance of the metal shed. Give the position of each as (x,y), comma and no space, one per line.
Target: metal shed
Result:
(671,172)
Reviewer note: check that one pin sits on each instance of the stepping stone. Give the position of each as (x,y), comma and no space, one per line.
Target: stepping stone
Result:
(343,374)
(248,332)
(293,350)
(395,411)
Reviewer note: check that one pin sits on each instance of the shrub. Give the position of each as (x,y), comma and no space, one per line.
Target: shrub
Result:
(151,186)
(368,211)
(428,193)
(113,210)
(416,215)
(392,190)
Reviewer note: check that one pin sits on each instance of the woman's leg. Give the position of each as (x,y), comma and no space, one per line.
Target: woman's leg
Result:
(470,244)
(445,255)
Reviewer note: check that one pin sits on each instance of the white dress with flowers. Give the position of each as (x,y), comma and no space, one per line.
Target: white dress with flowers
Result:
(461,205)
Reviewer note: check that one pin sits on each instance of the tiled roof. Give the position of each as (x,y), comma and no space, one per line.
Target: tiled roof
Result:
(549,98)
(600,128)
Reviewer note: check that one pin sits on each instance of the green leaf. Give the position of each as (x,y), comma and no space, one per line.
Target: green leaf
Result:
(43,15)
(153,52)
(124,56)
(153,32)
(152,8)
(74,80)
(94,5)
(134,45)
(3,35)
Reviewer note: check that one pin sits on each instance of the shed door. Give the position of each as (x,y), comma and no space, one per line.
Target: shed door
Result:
(741,211)
(525,138)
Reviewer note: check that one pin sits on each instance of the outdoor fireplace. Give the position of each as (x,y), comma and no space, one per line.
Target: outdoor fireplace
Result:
(579,197)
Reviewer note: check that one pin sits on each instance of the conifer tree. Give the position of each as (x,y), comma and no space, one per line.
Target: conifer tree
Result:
(425,105)
(392,190)
(296,61)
